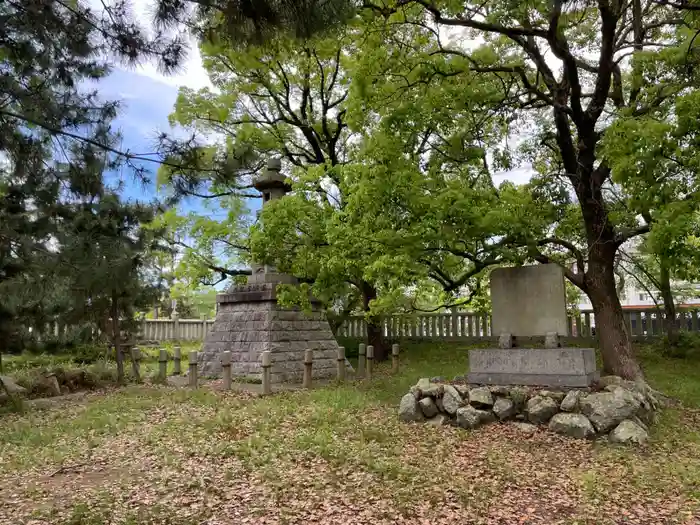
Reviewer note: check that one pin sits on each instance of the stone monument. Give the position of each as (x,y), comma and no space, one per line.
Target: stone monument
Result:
(249,321)
(529,302)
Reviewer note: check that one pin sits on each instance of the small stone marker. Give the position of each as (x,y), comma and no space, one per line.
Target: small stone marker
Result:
(308,367)
(162,364)
(266,365)
(395,358)
(226,369)
(362,352)
(136,363)
(370,361)
(341,363)
(193,369)
(177,359)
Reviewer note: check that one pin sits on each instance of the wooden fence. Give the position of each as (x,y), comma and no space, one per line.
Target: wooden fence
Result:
(468,325)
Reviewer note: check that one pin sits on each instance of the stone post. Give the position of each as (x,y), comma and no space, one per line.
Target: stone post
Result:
(308,366)
(176,326)
(341,364)
(266,365)
(177,360)
(163,364)
(395,358)
(370,361)
(226,369)
(205,324)
(193,369)
(136,363)
(362,350)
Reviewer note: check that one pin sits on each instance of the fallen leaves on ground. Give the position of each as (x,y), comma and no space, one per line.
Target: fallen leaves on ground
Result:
(331,456)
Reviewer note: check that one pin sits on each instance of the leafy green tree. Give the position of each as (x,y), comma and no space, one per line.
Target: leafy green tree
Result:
(285,98)
(611,63)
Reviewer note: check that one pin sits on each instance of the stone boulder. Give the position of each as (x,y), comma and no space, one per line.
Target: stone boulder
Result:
(409,409)
(574,425)
(428,407)
(540,409)
(11,386)
(610,380)
(556,395)
(470,418)
(48,384)
(463,391)
(499,390)
(437,379)
(628,432)
(519,395)
(571,402)
(606,410)
(503,408)
(451,400)
(481,397)
(435,391)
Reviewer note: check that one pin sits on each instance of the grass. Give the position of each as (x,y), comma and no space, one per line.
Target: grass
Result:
(337,454)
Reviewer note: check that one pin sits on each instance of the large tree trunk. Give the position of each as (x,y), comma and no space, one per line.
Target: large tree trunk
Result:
(613,334)
(670,323)
(374,324)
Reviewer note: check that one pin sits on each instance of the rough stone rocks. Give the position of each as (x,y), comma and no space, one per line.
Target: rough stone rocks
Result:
(570,403)
(503,408)
(49,384)
(525,428)
(608,409)
(462,379)
(519,395)
(409,409)
(434,391)
(540,409)
(11,386)
(481,397)
(574,425)
(469,417)
(557,396)
(463,391)
(577,413)
(438,403)
(499,390)
(428,407)
(438,421)
(451,400)
(609,380)
(437,379)
(628,432)
(423,383)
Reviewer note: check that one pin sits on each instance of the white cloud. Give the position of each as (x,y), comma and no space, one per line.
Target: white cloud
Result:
(191,74)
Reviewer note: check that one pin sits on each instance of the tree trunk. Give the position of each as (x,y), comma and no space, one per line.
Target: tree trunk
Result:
(374,326)
(670,323)
(613,333)
(116,337)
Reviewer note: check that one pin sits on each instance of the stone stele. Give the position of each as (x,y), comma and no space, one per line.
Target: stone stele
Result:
(249,321)
(530,301)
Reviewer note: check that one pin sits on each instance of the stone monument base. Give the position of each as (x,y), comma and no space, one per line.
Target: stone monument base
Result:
(552,367)
(249,321)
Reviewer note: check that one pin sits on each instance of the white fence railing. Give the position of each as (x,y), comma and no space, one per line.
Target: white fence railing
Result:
(469,325)
(460,325)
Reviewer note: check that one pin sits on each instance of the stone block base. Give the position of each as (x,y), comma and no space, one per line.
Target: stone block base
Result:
(249,321)
(552,367)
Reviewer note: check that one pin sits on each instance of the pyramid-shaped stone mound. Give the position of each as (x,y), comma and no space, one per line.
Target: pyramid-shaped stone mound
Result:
(249,321)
